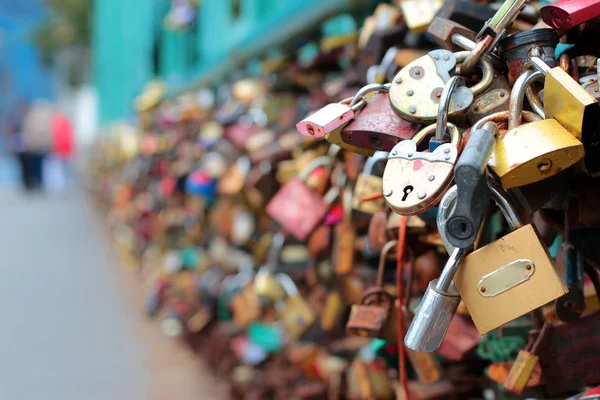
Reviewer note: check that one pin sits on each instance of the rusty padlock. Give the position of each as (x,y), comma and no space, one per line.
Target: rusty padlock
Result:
(368,318)
(377,127)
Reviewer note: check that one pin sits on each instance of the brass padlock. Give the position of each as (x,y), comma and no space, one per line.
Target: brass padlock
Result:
(343,243)
(332,311)
(414,181)
(527,359)
(509,277)
(296,315)
(335,137)
(368,184)
(368,318)
(531,152)
(416,90)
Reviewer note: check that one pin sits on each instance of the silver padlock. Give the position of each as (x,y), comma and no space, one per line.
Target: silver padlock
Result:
(437,309)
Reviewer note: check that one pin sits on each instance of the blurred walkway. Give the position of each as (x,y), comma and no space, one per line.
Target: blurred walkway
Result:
(72,324)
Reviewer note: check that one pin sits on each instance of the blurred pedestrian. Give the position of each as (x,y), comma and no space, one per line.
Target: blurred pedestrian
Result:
(38,139)
(16,145)
(62,150)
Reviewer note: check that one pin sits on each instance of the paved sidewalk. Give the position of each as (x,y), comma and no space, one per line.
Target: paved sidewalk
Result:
(72,324)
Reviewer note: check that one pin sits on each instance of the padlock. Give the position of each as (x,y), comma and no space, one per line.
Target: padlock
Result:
(296,207)
(418,13)
(416,90)
(343,242)
(333,311)
(368,318)
(495,99)
(335,138)
(514,49)
(414,181)
(367,184)
(508,278)
(437,308)
(377,127)
(296,315)
(265,284)
(526,361)
(566,14)
(328,119)
(531,152)
(574,108)
(468,13)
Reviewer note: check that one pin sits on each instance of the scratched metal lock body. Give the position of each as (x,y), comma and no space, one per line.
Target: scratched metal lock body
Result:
(414,181)
(507,279)
(416,90)
(377,127)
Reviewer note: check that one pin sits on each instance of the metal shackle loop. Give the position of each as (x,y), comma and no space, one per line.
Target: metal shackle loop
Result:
(455,135)
(372,161)
(502,116)
(486,68)
(375,87)
(475,56)
(518,95)
(288,285)
(446,96)
(382,257)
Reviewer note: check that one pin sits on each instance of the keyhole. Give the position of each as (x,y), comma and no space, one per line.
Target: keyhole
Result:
(407,190)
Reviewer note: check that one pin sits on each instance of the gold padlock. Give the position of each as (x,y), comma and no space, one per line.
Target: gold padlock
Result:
(296,315)
(368,184)
(510,277)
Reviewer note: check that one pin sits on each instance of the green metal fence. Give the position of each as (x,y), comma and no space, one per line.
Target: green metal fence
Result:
(132,44)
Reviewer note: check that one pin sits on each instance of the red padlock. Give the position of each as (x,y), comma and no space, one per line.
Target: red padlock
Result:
(566,14)
(296,207)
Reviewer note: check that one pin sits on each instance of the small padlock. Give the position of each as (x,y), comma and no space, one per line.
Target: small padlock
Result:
(367,184)
(509,277)
(416,90)
(296,315)
(333,311)
(414,181)
(329,118)
(574,108)
(298,209)
(343,242)
(523,367)
(368,318)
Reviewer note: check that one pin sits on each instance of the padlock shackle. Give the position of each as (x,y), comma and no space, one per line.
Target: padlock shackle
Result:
(380,69)
(518,95)
(321,161)
(486,68)
(382,258)
(372,161)
(502,117)
(455,135)
(374,87)
(444,107)
(449,270)
(539,64)
(288,285)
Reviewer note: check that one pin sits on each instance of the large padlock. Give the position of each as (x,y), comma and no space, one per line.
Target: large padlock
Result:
(377,127)
(508,278)
(298,209)
(369,318)
(416,90)
(574,108)
(368,184)
(414,181)
(530,152)
(296,315)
